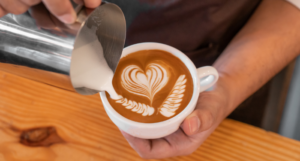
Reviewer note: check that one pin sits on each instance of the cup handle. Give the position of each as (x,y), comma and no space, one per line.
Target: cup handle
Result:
(208,77)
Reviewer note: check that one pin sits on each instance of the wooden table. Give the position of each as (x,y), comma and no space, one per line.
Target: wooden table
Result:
(41,122)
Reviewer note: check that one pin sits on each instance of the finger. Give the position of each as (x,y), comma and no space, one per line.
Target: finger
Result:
(62,9)
(78,1)
(203,117)
(42,16)
(14,6)
(92,3)
(31,2)
(136,143)
(173,145)
(148,149)
(2,12)
(181,143)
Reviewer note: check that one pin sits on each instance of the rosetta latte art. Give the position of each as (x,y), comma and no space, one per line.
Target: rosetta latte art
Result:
(172,102)
(147,85)
(136,107)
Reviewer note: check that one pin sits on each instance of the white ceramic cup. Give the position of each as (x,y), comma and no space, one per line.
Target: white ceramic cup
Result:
(203,78)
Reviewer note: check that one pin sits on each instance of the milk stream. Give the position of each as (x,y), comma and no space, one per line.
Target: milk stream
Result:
(89,68)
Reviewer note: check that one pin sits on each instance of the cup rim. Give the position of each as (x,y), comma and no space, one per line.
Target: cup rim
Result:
(189,64)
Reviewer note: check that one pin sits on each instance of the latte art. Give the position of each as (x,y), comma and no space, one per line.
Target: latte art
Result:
(136,81)
(154,86)
(173,101)
(136,107)
(169,106)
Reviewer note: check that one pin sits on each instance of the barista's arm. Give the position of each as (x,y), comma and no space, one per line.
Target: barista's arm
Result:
(267,43)
(62,9)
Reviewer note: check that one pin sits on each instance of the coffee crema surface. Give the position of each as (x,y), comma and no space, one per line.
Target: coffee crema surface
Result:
(154,84)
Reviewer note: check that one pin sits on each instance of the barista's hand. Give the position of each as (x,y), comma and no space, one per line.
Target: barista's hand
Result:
(210,111)
(62,9)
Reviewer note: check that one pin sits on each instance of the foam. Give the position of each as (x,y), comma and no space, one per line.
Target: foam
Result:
(155,86)
(142,83)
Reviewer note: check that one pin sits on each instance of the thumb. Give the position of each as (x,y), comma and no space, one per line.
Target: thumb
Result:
(62,9)
(92,3)
(199,120)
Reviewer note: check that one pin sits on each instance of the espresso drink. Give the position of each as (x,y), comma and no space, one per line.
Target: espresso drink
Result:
(154,86)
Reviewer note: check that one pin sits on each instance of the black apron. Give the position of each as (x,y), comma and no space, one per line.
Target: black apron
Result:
(199,28)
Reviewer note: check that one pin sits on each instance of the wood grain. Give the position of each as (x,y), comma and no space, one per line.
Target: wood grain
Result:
(89,135)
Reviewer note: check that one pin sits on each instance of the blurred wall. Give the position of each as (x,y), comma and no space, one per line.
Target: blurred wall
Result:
(290,124)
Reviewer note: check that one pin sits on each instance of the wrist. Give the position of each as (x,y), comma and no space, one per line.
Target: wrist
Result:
(224,93)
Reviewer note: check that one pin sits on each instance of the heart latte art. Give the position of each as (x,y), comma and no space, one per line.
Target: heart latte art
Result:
(147,84)
(154,86)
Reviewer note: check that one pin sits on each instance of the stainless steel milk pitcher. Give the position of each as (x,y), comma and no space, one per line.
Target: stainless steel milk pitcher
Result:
(42,48)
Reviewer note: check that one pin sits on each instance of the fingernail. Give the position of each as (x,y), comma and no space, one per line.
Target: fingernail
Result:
(68,18)
(194,124)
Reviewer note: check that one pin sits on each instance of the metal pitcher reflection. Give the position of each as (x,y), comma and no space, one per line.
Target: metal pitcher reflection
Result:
(38,46)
